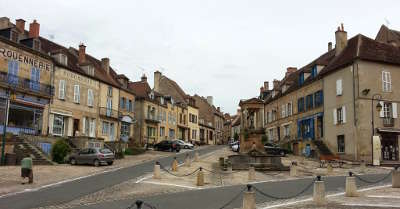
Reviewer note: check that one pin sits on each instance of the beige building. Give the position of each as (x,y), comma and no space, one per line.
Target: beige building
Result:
(126,110)
(193,113)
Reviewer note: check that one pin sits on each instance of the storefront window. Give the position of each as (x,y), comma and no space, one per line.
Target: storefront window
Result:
(125,129)
(58,125)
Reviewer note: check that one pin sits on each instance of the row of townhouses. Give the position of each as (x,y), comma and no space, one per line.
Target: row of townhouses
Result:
(343,103)
(47,89)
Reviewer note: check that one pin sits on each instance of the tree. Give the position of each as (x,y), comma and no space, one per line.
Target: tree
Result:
(60,150)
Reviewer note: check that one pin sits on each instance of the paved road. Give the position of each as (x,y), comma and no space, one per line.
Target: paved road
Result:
(72,190)
(215,198)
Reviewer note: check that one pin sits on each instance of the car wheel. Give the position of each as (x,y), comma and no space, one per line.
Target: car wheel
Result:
(282,153)
(186,147)
(110,163)
(72,161)
(96,163)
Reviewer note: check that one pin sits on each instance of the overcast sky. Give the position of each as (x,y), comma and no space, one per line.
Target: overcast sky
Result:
(223,48)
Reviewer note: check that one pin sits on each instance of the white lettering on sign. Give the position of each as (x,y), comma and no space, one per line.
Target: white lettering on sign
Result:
(10,54)
(79,78)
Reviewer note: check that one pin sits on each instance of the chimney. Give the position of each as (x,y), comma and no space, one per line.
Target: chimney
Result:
(210,100)
(4,22)
(341,39)
(266,85)
(157,77)
(290,70)
(105,64)
(218,109)
(276,83)
(143,78)
(34,29)
(238,111)
(261,89)
(20,24)
(329,46)
(82,53)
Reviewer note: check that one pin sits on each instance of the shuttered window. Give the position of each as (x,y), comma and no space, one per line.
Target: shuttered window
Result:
(339,87)
(77,95)
(386,81)
(90,98)
(61,89)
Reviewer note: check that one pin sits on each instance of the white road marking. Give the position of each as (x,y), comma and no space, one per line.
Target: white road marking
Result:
(381,196)
(331,195)
(371,205)
(167,184)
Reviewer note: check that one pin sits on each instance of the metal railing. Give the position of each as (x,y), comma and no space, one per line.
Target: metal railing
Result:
(388,122)
(14,81)
(111,113)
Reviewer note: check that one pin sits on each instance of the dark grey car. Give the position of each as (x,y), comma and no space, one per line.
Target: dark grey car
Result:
(93,156)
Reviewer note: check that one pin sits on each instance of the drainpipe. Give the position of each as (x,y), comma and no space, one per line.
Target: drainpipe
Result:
(354,112)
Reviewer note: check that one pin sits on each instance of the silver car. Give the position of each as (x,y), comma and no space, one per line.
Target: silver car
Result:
(184,145)
(93,156)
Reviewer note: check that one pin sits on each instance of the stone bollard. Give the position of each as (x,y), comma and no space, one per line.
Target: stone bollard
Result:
(396,177)
(175,165)
(157,172)
(293,169)
(252,173)
(196,156)
(351,187)
(249,198)
(187,160)
(363,166)
(319,191)
(200,177)
(229,168)
(221,162)
(329,168)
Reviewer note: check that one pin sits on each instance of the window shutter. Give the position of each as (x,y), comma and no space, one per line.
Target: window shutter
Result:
(339,87)
(394,109)
(344,114)
(51,121)
(61,89)
(382,112)
(90,97)
(389,80)
(84,125)
(335,116)
(76,94)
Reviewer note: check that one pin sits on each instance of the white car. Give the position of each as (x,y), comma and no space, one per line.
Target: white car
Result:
(184,145)
(235,147)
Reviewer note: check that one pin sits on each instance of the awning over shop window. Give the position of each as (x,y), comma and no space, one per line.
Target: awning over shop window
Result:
(127,119)
(389,130)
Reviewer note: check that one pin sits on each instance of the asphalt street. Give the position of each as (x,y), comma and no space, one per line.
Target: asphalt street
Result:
(69,191)
(215,198)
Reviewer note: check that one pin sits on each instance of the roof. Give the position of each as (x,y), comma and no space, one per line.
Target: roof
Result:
(140,88)
(253,100)
(170,87)
(386,35)
(236,120)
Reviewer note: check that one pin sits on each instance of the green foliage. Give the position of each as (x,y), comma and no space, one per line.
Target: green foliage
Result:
(60,150)
(134,151)
(236,137)
(264,139)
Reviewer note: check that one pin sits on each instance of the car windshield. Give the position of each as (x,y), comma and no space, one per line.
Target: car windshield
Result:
(105,151)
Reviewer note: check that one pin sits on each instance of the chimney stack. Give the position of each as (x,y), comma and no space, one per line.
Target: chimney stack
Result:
(218,109)
(157,77)
(210,100)
(34,28)
(143,78)
(105,64)
(238,111)
(276,83)
(290,70)
(261,89)
(20,24)
(329,46)
(82,53)
(341,39)
(266,85)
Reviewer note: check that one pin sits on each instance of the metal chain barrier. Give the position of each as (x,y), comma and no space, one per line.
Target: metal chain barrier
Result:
(233,199)
(214,172)
(371,182)
(176,175)
(138,204)
(285,197)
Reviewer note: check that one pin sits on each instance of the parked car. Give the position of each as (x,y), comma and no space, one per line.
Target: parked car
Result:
(235,146)
(168,145)
(184,145)
(275,149)
(94,156)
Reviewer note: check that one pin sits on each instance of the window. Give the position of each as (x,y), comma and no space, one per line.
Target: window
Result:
(283,109)
(340,144)
(106,128)
(151,132)
(125,129)
(130,106)
(300,104)
(387,110)
(339,115)
(162,131)
(171,133)
(109,106)
(271,134)
(76,94)
(85,125)
(309,102)
(92,127)
(14,36)
(319,98)
(63,59)
(109,91)
(58,125)
(122,103)
(61,89)
(386,81)
(339,88)
(35,79)
(289,109)
(301,78)
(36,44)
(13,68)
(194,134)
(286,130)
(314,72)
(90,98)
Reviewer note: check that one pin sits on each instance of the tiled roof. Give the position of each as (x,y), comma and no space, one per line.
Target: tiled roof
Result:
(140,88)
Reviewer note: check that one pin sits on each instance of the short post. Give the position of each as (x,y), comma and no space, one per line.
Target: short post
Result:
(187,160)
(351,187)
(252,173)
(293,169)
(229,167)
(139,204)
(319,191)
(363,166)
(157,171)
(221,162)
(396,177)
(329,168)
(249,198)
(200,177)
(175,165)
(196,156)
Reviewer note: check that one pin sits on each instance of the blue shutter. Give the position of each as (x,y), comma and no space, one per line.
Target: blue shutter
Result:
(13,72)
(35,77)
(321,96)
(299,129)
(312,135)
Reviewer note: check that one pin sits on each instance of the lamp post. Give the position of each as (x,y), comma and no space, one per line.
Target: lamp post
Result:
(378,108)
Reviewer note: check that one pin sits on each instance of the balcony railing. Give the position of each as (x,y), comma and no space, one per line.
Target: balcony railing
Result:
(107,112)
(152,118)
(14,81)
(388,122)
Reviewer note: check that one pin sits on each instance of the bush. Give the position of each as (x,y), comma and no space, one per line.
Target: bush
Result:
(60,150)
(134,151)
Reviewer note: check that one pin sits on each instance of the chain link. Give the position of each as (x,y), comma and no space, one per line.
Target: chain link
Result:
(176,175)
(372,182)
(286,197)
(233,199)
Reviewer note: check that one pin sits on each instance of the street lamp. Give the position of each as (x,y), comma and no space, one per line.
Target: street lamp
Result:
(378,109)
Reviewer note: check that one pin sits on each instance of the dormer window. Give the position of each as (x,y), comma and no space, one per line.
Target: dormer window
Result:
(36,44)
(284,88)
(301,78)
(151,95)
(89,69)
(314,72)
(14,36)
(61,58)
(162,100)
